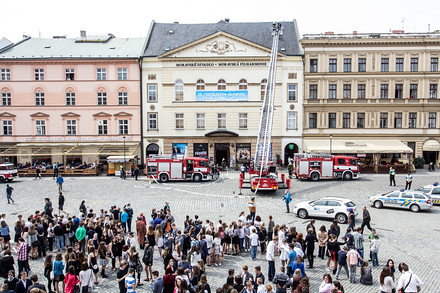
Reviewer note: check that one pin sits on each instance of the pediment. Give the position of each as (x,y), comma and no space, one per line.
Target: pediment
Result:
(70,114)
(220,44)
(39,114)
(6,115)
(122,114)
(102,114)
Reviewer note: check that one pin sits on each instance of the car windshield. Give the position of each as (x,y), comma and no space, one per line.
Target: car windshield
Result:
(424,189)
(350,204)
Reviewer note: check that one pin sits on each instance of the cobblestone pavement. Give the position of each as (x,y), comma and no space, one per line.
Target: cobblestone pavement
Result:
(405,236)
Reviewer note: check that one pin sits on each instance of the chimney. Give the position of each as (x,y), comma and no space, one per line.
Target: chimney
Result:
(329,33)
(226,19)
(398,31)
(355,32)
(83,34)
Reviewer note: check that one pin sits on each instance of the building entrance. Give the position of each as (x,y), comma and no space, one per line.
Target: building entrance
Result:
(222,153)
(289,150)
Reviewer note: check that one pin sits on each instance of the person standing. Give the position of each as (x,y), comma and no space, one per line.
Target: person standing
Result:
(124,219)
(130,281)
(359,243)
(48,208)
(243,170)
(129,211)
(270,257)
(408,180)
(136,172)
(287,200)
(60,181)
(23,284)
(310,246)
(392,176)
(9,190)
(375,242)
(37,172)
(254,243)
(252,209)
(290,169)
(22,256)
(80,235)
(366,219)
(61,200)
(342,262)
(55,170)
(353,257)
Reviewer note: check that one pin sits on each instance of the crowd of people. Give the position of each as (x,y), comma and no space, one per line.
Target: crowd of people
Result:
(79,251)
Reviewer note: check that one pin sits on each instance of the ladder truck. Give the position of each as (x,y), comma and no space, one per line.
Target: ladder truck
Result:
(263,174)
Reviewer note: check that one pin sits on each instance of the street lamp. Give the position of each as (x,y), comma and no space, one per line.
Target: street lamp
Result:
(331,136)
(124,151)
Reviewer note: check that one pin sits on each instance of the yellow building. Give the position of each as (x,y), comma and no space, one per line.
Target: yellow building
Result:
(372,95)
(203,86)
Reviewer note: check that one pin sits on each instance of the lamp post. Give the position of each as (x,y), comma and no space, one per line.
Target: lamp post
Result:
(124,151)
(331,136)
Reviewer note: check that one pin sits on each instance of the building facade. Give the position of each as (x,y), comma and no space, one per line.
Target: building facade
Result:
(70,100)
(366,91)
(203,86)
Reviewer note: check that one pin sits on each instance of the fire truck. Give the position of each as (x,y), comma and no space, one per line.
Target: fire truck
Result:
(324,166)
(167,167)
(8,172)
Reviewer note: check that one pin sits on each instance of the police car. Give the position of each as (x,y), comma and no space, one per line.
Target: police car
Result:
(326,207)
(433,191)
(402,199)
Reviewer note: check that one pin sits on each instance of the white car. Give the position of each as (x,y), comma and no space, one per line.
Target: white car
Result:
(326,207)
(432,190)
(402,199)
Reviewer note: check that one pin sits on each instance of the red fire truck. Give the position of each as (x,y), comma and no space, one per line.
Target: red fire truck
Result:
(168,167)
(322,166)
(8,172)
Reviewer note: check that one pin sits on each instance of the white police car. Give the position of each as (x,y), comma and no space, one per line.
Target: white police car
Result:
(403,199)
(433,191)
(326,207)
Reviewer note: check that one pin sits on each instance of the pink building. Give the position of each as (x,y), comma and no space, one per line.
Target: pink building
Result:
(70,100)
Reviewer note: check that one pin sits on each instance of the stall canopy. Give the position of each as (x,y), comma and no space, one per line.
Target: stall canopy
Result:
(431,145)
(119,159)
(355,146)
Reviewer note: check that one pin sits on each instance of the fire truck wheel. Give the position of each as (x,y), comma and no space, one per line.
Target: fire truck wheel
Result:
(347,176)
(163,178)
(197,177)
(302,213)
(341,218)
(2,179)
(314,176)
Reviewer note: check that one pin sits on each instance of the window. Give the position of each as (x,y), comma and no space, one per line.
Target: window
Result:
(102,127)
(332,91)
(200,120)
(432,120)
(412,145)
(263,86)
(313,65)
(6,99)
(39,74)
(347,91)
(385,64)
(331,120)
(291,120)
(398,120)
(313,92)
(361,91)
(122,98)
(434,64)
(39,99)
(332,65)
(5,74)
(102,98)
(70,99)
(70,74)
(360,120)
(433,91)
(152,92)
(221,120)
(384,91)
(221,85)
(7,127)
(178,90)
(122,74)
(101,74)
(242,85)
(413,91)
(345,120)
(313,120)
(152,121)
(398,94)
(123,126)
(383,120)
(362,64)
(71,127)
(347,64)
(242,120)
(414,64)
(291,92)
(200,85)
(412,120)
(399,64)
(40,126)
(179,120)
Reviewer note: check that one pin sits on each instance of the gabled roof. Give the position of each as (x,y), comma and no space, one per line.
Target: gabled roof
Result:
(4,42)
(165,37)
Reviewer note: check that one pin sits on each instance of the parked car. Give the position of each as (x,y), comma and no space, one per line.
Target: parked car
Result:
(326,207)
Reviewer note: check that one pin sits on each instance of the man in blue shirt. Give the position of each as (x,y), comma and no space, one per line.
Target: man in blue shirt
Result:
(130,281)
(124,218)
(287,200)
(291,258)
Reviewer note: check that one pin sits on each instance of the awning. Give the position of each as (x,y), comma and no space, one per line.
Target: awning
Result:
(431,145)
(355,146)
(119,159)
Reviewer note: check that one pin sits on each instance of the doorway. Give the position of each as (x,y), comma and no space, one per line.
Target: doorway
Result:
(222,153)
(152,149)
(289,151)
(430,156)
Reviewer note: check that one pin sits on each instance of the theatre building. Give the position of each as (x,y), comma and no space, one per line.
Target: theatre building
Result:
(203,86)
(374,96)
(70,100)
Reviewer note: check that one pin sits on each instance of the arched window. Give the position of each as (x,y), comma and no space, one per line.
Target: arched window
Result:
(178,90)
(221,85)
(200,86)
(242,85)
(263,86)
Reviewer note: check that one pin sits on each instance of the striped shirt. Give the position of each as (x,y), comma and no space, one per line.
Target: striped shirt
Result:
(130,282)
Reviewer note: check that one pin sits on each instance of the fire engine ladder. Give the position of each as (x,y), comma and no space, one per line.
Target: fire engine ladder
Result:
(267,111)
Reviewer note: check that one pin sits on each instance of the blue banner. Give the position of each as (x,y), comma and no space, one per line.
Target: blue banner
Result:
(207,96)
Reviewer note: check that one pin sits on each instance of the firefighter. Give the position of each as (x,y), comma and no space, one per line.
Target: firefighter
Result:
(290,169)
